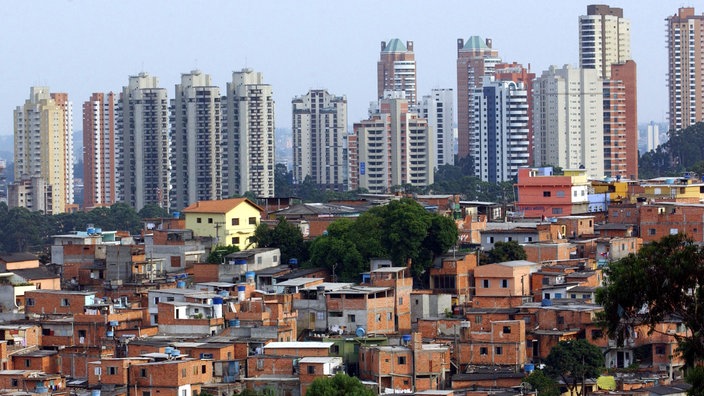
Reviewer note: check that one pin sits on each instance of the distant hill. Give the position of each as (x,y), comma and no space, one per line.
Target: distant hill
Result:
(7,147)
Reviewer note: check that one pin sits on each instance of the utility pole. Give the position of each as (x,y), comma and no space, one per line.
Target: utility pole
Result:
(218,225)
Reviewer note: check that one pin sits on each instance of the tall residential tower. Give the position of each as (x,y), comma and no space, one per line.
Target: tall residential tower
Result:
(438,108)
(100,148)
(196,167)
(475,59)
(685,48)
(396,69)
(249,136)
(43,153)
(145,167)
(320,139)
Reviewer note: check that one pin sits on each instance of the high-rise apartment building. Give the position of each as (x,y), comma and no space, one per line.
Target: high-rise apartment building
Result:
(394,148)
(519,74)
(100,148)
(685,47)
(568,120)
(475,59)
(500,133)
(396,69)
(144,163)
(438,108)
(320,139)
(43,129)
(196,147)
(249,136)
(653,136)
(604,39)
(605,46)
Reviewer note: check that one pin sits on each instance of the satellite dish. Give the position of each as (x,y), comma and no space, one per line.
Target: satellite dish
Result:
(360,332)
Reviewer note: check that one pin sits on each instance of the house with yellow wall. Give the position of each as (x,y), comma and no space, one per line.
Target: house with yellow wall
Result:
(229,221)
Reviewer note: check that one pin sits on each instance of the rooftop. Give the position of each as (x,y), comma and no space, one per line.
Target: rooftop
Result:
(295,344)
(395,45)
(220,206)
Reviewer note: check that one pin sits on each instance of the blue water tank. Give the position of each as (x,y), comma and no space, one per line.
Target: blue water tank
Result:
(241,288)
(236,323)
(249,275)
(528,368)
(360,332)
(181,284)
(224,293)
(94,392)
(175,352)
(231,322)
(406,338)
(114,323)
(110,333)
(240,262)
(293,262)
(176,215)
(90,230)
(217,300)
(168,350)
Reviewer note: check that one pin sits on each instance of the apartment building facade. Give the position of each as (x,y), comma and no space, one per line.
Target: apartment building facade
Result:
(100,150)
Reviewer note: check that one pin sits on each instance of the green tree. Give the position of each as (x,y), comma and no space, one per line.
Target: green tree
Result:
(544,385)
(339,256)
(663,281)
(218,253)
(23,230)
(573,362)
(283,181)
(152,211)
(339,385)
(505,251)
(285,236)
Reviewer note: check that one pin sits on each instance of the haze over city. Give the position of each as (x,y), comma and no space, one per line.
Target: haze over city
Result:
(80,47)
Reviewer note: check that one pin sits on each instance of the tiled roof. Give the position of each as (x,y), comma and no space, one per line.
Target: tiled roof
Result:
(218,206)
(476,43)
(395,45)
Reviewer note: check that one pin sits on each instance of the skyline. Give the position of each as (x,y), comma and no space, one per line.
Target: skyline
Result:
(333,46)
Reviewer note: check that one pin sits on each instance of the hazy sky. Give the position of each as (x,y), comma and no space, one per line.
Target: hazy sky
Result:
(85,46)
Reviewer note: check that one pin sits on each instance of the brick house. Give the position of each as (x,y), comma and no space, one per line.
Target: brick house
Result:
(504,284)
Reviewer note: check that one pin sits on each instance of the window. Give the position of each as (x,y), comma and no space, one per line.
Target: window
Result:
(546,193)
(146,393)
(143,373)
(15,382)
(199,220)
(507,330)
(30,302)
(499,350)
(504,283)
(659,349)
(311,369)
(210,220)
(388,316)
(82,333)
(477,319)
(203,369)
(252,220)
(65,302)
(556,210)
(235,240)
(378,317)
(401,360)
(651,231)
(27,363)
(597,333)
(112,370)
(183,373)
(483,351)
(560,194)
(335,349)
(235,221)
(350,318)
(560,320)
(485,283)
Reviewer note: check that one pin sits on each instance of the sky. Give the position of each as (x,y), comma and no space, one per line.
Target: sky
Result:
(85,46)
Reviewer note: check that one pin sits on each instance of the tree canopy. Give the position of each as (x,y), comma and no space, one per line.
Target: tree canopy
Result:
(504,251)
(339,385)
(544,385)
(662,282)
(217,254)
(401,230)
(573,362)
(684,151)
(285,236)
